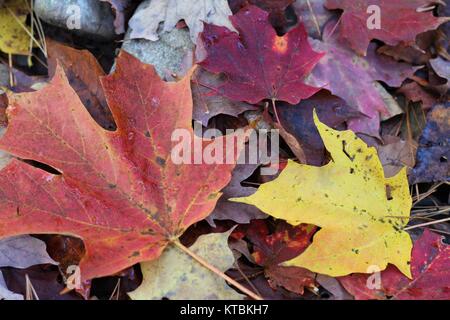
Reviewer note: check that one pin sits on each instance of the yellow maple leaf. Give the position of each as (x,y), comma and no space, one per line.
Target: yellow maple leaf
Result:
(14,39)
(360,212)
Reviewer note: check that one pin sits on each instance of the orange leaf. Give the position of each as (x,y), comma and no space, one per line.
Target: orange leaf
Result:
(118,191)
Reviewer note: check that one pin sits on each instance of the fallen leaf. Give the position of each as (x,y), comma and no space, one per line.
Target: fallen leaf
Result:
(314,15)
(400,22)
(442,67)
(46,281)
(275,8)
(20,252)
(334,287)
(416,54)
(405,53)
(340,67)
(434,148)
(412,122)
(285,243)
(333,111)
(237,212)
(177,276)
(83,72)
(23,252)
(145,22)
(430,267)
(258,280)
(120,191)
(396,155)
(415,93)
(5,293)
(208,102)
(66,250)
(258,63)
(119,7)
(292,142)
(14,39)
(350,200)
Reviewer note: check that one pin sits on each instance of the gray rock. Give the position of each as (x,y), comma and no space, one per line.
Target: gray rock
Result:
(167,54)
(91,18)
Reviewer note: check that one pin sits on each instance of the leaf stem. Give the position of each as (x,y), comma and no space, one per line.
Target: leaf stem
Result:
(275,111)
(216,271)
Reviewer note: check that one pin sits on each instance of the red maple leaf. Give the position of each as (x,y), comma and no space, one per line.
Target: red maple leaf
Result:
(430,267)
(118,191)
(400,21)
(271,249)
(275,8)
(259,63)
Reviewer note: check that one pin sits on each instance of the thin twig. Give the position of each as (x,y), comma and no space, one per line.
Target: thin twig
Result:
(427,224)
(216,271)
(12,82)
(250,283)
(276,113)
(420,197)
(24,27)
(30,292)
(116,292)
(314,18)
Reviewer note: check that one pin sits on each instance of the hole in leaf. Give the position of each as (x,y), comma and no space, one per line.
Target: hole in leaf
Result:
(388,192)
(42,166)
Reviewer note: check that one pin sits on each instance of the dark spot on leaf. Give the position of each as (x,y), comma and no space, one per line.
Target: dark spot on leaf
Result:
(135,254)
(160,161)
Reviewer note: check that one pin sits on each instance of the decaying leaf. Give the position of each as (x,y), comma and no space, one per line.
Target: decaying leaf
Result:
(314,15)
(120,191)
(338,70)
(442,67)
(5,293)
(284,243)
(430,266)
(275,8)
(397,154)
(415,93)
(119,7)
(145,22)
(45,280)
(333,111)
(400,21)
(23,252)
(177,276)
(350,200)
(258,63)
(238,212)
(433,154)
(83,72)
(208,102)
(20,252)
